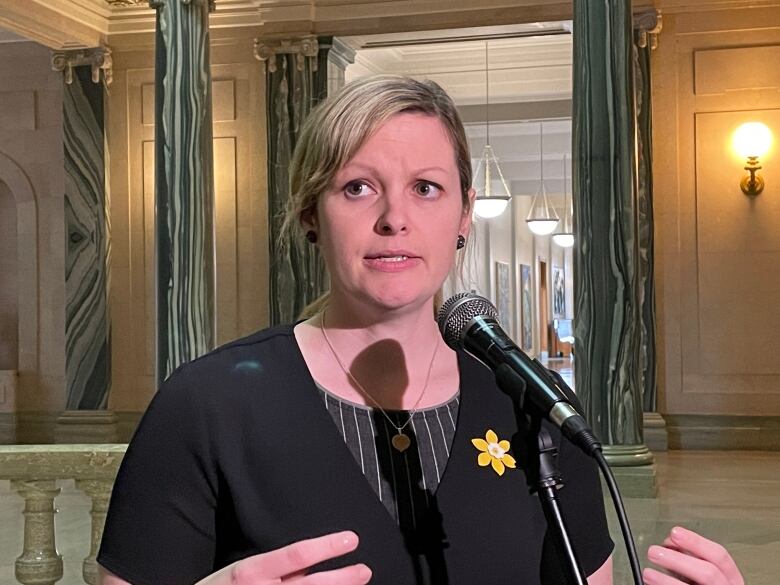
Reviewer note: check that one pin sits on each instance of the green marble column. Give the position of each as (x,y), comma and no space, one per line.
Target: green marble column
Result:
(608,274)
(184,185)
(296,81)
(86,76)
(87,324)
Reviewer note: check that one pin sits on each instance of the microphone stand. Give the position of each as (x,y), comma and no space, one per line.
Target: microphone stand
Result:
(548,482)
(544,478)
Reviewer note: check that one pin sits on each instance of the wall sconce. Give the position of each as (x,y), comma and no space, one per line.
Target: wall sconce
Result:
(751,141)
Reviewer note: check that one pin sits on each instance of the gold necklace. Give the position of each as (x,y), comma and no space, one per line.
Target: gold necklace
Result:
(400,440)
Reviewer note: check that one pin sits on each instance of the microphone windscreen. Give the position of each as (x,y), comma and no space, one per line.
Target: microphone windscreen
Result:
(458,311)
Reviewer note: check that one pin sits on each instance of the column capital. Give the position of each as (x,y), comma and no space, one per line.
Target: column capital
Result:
(98,58)
(647,25)
(155,4)
(302,48)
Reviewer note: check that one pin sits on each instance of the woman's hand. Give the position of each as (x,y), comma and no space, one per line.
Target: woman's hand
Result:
(284,565)
(290,563)
(693,559)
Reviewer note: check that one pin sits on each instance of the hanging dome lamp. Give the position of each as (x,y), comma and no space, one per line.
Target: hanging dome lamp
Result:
(541,218)
(490,201)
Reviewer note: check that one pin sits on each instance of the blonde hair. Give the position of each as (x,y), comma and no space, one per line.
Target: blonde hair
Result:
(337,128)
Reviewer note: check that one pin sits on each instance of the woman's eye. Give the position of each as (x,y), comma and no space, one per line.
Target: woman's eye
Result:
(427,189)
(357,189)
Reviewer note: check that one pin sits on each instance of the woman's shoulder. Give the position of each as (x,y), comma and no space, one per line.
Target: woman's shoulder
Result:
(236,367)
(250,353)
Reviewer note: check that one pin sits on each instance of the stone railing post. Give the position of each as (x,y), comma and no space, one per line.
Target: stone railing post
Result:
(39,563)
(33,471)
(99,492)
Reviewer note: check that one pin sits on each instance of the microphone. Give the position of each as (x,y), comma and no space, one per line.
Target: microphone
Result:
(469,322)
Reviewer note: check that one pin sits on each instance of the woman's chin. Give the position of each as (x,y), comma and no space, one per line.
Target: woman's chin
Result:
(401,300)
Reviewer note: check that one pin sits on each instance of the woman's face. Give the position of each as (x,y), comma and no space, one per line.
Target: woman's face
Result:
(388,223)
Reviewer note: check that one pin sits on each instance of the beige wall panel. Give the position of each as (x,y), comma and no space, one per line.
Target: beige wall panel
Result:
(240,211)
(717,250)
(238,102)
(146,272)
(738,69)
(226,237)
(738,261)
(223,100)
(131,115)
(17,110)
(147,104)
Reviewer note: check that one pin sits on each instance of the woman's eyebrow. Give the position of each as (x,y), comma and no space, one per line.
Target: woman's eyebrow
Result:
(434,168)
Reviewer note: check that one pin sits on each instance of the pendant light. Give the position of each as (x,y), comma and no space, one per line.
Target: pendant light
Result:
(542,218)
(489,202)
(565,238)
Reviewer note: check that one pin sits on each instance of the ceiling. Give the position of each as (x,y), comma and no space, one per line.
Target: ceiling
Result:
(526,63)
(529,62)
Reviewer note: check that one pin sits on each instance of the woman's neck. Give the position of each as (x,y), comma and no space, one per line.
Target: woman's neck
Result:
(393,361)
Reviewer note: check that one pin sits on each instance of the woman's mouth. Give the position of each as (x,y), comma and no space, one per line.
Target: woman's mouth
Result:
(392,261)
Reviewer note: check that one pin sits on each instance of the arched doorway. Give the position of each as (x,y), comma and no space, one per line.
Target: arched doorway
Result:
(19,289)
(9,282)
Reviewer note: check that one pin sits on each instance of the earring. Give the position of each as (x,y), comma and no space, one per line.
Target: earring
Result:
(311,235)
(461,242)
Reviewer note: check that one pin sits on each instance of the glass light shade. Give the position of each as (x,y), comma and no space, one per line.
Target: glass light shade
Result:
(542,227)
(492,190)
(542,218)
(490,207)
(752,139)
(564,240)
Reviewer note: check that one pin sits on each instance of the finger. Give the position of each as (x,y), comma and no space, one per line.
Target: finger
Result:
(653,577)
(295,557)
(688,541)
(669,543)
(352,575)
(687,566)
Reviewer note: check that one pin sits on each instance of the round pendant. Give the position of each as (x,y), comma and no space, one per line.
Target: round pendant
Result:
(401,442)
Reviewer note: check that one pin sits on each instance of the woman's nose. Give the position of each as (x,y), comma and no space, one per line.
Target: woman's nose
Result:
(393,218)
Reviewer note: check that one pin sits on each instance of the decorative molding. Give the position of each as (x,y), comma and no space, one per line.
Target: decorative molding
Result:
(123,3)
(341,54)
(301,48)
(98,58)
(647,25)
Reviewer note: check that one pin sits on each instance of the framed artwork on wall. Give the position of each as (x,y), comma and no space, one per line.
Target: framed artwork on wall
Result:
(503,296)
(526,309)
(558,293)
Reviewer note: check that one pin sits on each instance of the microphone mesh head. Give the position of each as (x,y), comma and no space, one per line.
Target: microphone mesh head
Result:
(458,311)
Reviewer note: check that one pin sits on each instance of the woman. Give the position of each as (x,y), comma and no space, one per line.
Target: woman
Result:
(316,453)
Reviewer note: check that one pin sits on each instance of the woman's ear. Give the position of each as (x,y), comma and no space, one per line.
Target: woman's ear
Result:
(308,219)
(466,221)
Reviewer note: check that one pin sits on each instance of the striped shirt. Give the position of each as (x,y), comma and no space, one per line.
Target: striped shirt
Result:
(403,481)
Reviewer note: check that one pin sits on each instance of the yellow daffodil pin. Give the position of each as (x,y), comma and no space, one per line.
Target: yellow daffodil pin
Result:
(494,452)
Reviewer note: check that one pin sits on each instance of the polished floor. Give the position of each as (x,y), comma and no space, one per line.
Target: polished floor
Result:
(731,496)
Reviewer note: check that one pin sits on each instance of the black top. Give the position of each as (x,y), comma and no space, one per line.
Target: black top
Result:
(236,456)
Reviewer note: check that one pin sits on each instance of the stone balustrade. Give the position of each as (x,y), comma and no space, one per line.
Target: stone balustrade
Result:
(33,471)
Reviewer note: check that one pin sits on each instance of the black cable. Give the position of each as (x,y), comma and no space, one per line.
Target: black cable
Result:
(633,558)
